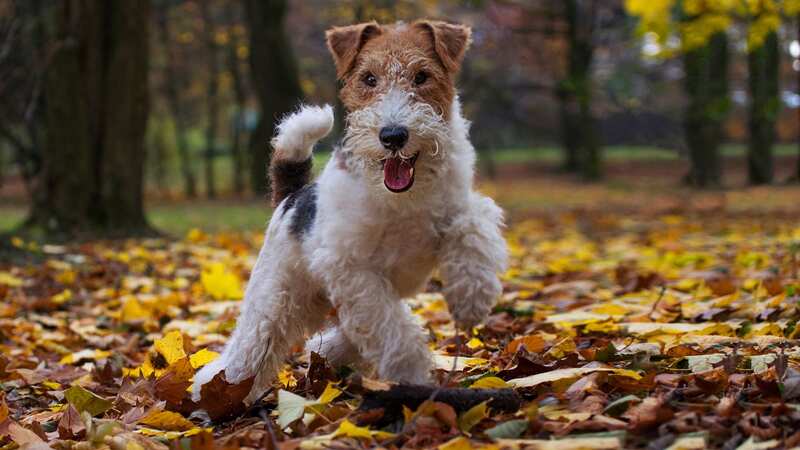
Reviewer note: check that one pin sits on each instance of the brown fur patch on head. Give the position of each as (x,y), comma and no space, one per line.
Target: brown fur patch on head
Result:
(422,58)
(344,44)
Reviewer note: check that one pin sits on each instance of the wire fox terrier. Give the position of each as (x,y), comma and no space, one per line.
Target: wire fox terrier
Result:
(394,202)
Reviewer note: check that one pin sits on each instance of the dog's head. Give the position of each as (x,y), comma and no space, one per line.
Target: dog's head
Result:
(397,86)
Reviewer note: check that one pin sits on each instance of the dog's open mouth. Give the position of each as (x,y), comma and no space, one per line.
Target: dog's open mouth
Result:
(398,172)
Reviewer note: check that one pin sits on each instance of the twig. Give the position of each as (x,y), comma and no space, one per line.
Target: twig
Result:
(658,300)
(272,438)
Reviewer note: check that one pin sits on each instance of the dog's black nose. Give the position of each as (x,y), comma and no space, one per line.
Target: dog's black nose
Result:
(394,137)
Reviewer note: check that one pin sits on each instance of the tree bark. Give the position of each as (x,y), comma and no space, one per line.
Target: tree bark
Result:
(96,114)
(763,66)
(275,80)
(212,100)
(579,135)
(797,175)
(238,122)
(706,84)
(175,106)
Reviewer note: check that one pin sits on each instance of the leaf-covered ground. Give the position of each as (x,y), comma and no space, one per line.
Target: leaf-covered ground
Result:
(659,330)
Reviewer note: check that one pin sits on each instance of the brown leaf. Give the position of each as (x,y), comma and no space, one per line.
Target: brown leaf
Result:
(650,413)
(532,344)
(3,407)
(71,426)
(171,386)
(319,373)
(221,399)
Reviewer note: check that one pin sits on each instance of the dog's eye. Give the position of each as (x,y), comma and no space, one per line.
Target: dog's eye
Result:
(420,78)
(370,80)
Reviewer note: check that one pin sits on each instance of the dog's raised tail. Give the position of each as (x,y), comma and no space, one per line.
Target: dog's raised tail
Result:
(292,145)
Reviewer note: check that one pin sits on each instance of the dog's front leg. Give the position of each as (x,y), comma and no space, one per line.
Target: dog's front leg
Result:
(380,325)
(472,254)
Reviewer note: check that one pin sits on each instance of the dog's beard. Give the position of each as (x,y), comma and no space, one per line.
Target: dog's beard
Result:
(395,171)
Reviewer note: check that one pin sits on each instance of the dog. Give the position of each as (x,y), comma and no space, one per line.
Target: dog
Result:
(394,202)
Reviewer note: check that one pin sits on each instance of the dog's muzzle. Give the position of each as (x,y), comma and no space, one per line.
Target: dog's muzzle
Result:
(393,137)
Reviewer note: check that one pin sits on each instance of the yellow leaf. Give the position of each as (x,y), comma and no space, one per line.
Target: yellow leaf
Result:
(346,428)
(195,235)
(457,443)
(220,283)
(166,420)
(286,378)
(408,414)
(10,280)
(52,385)
(474,343)
(612,309)
(472,417)
(202,357)
(62,297)
(133,311)
(171,346)
(329,394)
(489,383)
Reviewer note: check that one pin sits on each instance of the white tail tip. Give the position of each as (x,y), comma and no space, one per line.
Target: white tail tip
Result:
(299,131)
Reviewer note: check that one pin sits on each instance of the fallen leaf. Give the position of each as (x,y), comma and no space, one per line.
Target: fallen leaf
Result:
(562,374)
(84,400)
(472,417)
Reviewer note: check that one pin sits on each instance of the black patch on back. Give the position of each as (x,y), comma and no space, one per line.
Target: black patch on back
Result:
(288,177)
(304,203)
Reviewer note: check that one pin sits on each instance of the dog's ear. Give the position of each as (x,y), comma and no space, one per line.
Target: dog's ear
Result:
(345,43)
(449,40)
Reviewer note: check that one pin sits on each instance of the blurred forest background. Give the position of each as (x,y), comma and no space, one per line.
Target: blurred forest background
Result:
(110,110)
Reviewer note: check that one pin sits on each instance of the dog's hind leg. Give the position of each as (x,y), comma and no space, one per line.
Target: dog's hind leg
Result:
(333,345)
(279,309)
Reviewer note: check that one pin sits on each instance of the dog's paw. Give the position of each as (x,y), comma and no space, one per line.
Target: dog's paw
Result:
(472,301)
(204,375)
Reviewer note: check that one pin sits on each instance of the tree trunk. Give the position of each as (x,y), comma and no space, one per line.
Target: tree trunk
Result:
(797,175)
(212,100)
(579,135)
(275,79)
(175,106)
(763,66)
(96,114)
(238,121)
(706,84)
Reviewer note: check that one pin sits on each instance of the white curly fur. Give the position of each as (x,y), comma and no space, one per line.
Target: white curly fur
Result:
(368,249)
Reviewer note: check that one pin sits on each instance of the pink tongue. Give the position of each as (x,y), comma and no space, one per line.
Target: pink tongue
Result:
(397,174)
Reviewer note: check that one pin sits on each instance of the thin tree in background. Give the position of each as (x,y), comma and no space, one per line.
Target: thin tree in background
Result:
(172,88)
(212,98)
(240,97)
(94,153)
(706,84)
(275,79)
(579,133)
(763,71)
(797,175)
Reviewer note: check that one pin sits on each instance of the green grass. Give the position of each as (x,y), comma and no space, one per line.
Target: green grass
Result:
(178,218)
(617,153)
